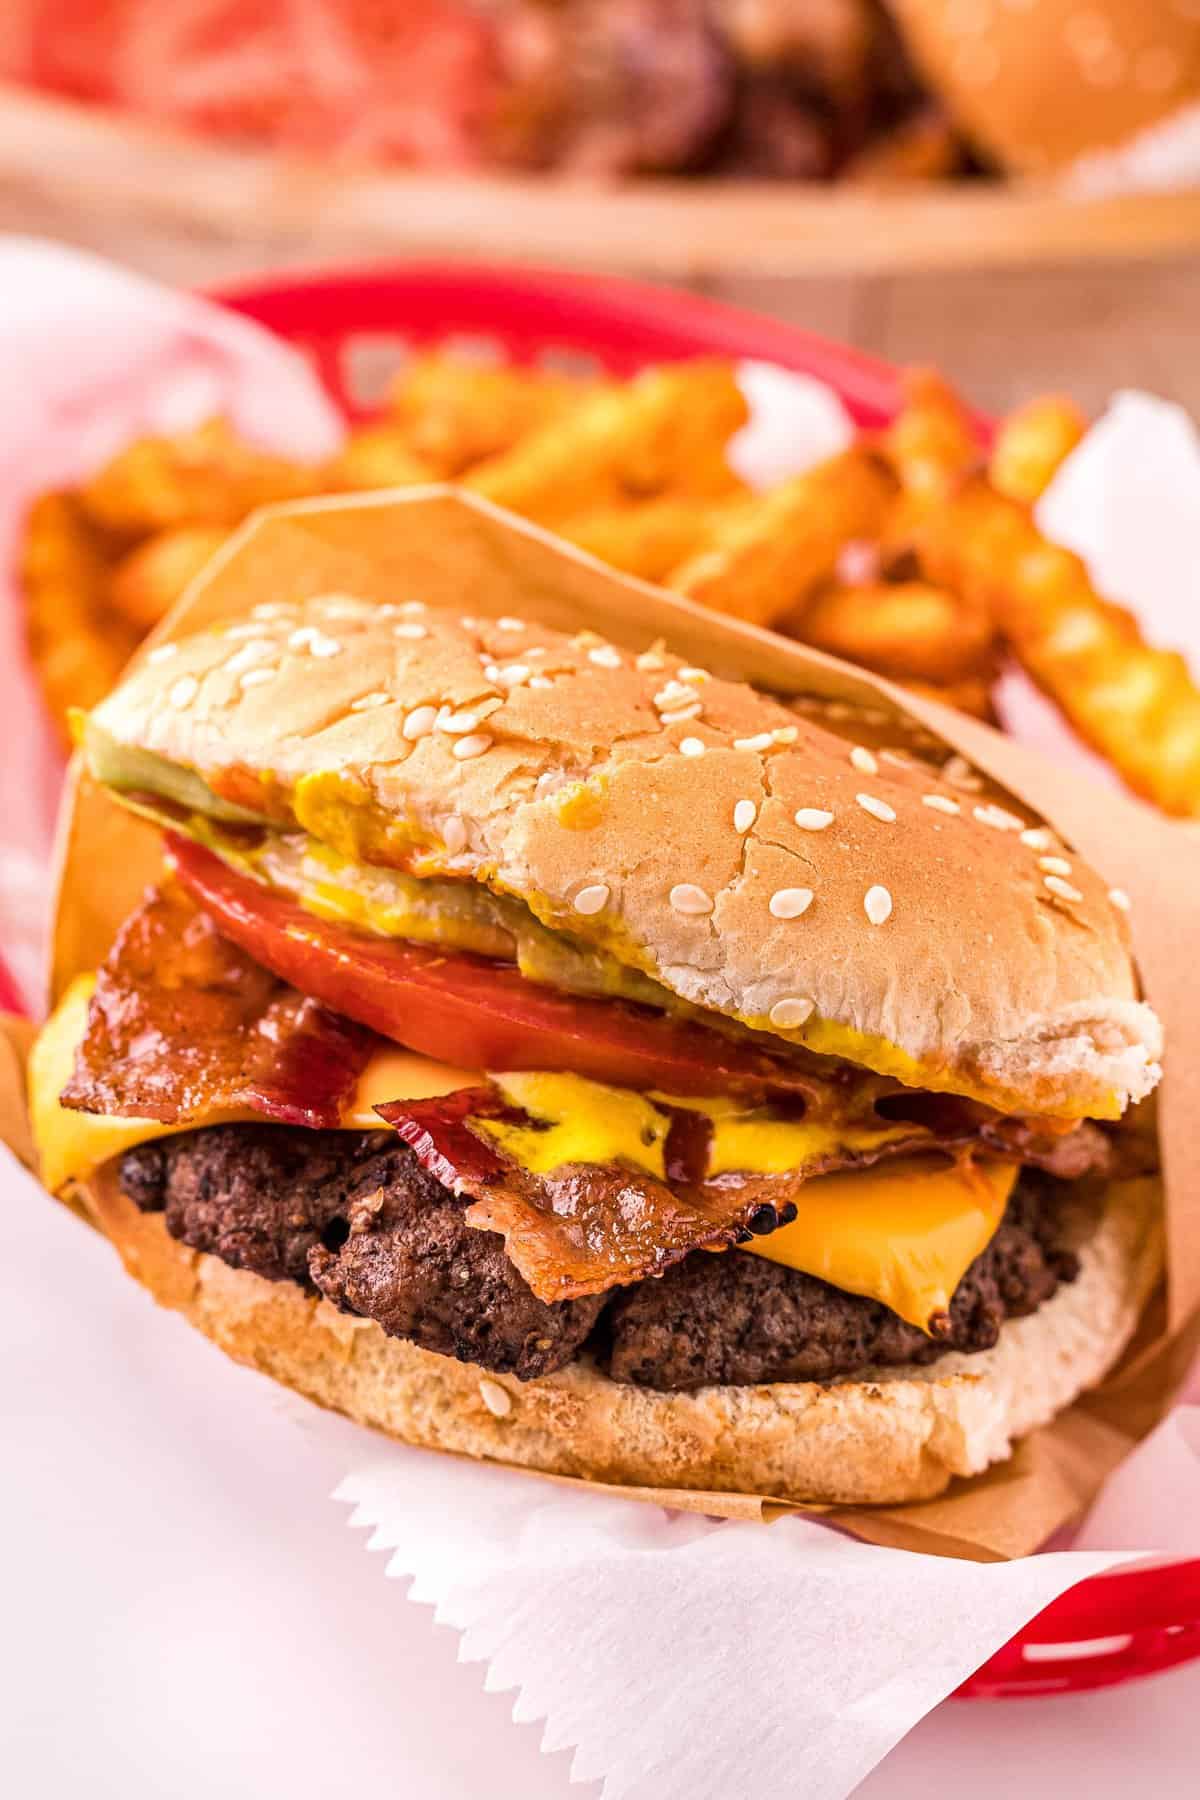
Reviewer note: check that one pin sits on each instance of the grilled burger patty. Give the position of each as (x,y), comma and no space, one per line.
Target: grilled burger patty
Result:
(354,1217)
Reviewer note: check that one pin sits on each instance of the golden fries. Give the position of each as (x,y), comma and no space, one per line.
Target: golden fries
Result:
(648,539)
(647,437)
(77,649)
(1032,444)
(930,443)
(907,629)
(148,581)
(379,457)
(1136,705)
(453,414)
(202,477)
(778,548)
(909,553)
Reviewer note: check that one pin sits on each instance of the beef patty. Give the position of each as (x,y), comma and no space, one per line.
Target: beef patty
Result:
(353,1216)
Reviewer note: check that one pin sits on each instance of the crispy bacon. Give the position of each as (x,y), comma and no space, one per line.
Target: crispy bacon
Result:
(584,1228)
(183,1025)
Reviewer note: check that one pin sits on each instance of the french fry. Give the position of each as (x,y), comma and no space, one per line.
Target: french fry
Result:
(777,549)
(77,650)
(648,539)
(148,581)
(380,456)
(201,477)
(930,444)
(664,430)
(909,630)
(1136,705)
(1032,444)
(453,413)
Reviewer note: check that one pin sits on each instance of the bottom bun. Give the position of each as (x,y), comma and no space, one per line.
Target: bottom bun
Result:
(901,1434)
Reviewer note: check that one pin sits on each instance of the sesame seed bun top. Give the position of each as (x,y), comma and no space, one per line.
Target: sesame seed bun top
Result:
(752,858)
(1039,83)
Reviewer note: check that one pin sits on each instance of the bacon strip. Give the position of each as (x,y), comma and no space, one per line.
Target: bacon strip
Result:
(183,1025)
(587,1227)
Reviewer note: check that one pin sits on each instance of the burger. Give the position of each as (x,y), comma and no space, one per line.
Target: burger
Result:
(566,1055)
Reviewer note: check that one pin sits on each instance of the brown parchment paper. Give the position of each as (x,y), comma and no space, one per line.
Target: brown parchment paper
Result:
(447,548)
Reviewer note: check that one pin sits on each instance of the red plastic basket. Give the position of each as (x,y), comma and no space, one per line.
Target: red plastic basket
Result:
(356,327)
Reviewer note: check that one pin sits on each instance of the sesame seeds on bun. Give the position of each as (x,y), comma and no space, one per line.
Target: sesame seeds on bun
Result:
(865,902)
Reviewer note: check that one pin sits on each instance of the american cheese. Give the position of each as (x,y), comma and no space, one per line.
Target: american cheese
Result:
(903,1233)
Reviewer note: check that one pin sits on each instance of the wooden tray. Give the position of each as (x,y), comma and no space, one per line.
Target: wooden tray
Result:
(91,174)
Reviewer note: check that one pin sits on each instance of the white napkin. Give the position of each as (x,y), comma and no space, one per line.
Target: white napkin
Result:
(92,357)
(690,1658)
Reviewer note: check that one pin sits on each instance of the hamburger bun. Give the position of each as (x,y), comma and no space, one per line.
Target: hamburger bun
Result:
(1037,84)
(750,859)
(900,1436)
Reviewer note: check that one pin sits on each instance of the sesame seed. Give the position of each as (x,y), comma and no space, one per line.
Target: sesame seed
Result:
(650,660)
(490,671)
(959,773)
(467,747)
(673,693)
(896,758)
(837,709)
(457,724)
(995,816)
(744,815)
(694,675)
(497,1399)
(469,623)
(532,650)
(454,835)
(787,1014)
(540,681)
(324,646)
(591,899)
(877,904)
(681,714)
(162,652)
(691,746)
(410,628)
(1061,889)
(761,742)
(605,657)
(365,702)
(878,809)
(341,606)
(303,635)
(1054,865)
(420,722)
(510,677)
(184,690)
(249,654)
(785,734)
(270,609)
(686,897)
(789,903)
(1120,899)
(508,623)
(411,608)
(245,630)
(862,759)
(256,677)
(813,818)
(941,803)
(1037,838)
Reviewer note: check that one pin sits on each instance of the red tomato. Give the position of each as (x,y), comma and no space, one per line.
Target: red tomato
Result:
(465,1010)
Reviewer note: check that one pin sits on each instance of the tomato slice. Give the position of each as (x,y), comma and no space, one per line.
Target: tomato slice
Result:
(468,1011)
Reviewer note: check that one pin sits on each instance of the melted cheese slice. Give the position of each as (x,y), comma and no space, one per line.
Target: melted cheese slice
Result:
(903,1233)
